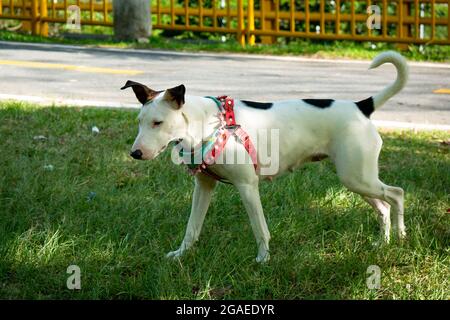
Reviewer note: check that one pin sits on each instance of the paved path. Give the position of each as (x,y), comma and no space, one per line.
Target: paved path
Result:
(84,76)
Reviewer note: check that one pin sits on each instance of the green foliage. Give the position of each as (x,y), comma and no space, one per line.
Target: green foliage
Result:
(322,235)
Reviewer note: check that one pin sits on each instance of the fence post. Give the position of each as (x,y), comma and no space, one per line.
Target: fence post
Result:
(34,17)
(240,17)
(251,22)
(268,6)
(407,10)
(43,24)
(433,20)
(401,31)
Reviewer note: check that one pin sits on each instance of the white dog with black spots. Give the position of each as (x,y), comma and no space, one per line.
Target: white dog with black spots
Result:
(308,130)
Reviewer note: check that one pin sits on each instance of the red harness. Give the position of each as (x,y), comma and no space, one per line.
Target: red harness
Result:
(228,128)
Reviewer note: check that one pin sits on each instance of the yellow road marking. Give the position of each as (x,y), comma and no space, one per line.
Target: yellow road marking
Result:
(443,90)
(43,65)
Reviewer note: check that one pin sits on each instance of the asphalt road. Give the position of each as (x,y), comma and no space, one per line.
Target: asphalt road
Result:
(94,76)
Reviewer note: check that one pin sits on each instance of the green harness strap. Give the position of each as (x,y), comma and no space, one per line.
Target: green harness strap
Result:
(219,105)
(206,146)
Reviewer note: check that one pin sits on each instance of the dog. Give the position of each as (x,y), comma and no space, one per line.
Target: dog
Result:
(308,130)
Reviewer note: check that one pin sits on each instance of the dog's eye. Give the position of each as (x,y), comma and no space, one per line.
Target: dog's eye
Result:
(156,123)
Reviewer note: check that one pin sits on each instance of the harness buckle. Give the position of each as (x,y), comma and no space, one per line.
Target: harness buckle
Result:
(233,126)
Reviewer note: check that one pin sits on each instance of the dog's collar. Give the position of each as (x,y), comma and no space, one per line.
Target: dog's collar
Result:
(213,147)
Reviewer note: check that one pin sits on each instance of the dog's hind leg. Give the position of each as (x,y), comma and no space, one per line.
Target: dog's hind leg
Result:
(357,167)
(204,187)
(383,209)
(395,197)
(250,196)
(378,192)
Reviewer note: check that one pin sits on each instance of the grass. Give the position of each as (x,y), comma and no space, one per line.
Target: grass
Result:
(317,49)
(322,235)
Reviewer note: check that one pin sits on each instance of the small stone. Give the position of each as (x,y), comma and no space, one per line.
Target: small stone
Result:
(91,196)
(95,130)
(40,138)
(49,167)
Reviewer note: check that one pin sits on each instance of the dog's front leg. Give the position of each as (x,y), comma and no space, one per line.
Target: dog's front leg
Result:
(250,196)
(204,187)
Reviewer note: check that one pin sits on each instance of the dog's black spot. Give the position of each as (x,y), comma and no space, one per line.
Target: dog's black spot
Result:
(258,105)
(366,106)
(319,103)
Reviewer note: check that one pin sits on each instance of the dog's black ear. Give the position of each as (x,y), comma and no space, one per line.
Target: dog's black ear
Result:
(176,96)
(142,92)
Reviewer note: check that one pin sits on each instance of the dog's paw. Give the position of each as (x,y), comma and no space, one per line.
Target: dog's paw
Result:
(263,258)
(175,254)
(402,235)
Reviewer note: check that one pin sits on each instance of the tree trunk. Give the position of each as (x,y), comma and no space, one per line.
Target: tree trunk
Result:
(132,19)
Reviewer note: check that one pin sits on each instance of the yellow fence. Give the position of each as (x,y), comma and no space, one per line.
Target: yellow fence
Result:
(199,15)
(400,21)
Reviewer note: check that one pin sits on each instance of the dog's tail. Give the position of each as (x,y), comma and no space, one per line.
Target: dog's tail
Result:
(369,105)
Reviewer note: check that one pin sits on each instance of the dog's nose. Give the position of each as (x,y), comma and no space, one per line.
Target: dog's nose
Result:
(136,154)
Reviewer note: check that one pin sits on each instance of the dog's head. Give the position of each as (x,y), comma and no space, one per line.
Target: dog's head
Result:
(160,119)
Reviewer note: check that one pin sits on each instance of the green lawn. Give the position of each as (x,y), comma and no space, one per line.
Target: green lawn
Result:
(322,235)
